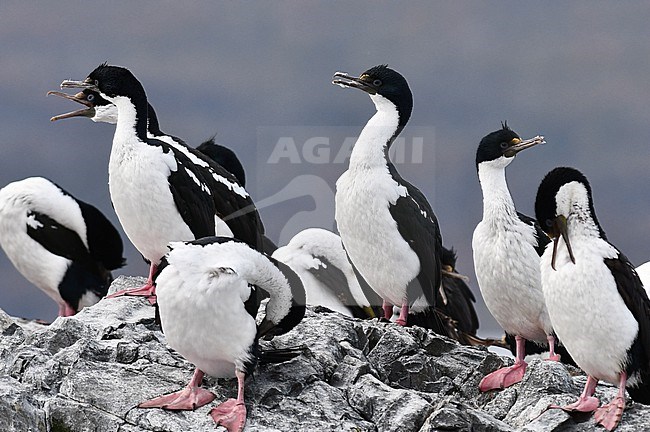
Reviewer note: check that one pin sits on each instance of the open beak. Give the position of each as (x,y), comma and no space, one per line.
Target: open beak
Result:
(80,97)
(345,80)
(523,145)
(560,229)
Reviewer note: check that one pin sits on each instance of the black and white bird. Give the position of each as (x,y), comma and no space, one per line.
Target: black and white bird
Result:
(318,257)
(164,192)
(100,110)
(209,296)
(386,224)
(595,299)
(64,246)
(507,246)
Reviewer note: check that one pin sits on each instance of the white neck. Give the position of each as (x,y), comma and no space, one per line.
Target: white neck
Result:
(259,271)
(126,118)
(369,150)
(497,201)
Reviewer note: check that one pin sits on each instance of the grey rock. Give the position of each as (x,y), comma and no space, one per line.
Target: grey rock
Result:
(89,372)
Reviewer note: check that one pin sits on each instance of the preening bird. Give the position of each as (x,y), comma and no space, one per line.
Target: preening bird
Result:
(318,257)
(507,246)
(595,299)
(64,246)
(386,224)
(165,192)
(209,296)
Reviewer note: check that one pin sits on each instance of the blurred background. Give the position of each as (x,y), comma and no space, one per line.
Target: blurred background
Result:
(258,75)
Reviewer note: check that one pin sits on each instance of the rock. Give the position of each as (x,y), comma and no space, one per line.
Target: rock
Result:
(90,371)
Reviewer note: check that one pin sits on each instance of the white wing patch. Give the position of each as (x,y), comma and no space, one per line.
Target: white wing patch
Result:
(197,181)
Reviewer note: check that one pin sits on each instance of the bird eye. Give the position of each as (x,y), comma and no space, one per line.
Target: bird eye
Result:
(504,145)
(377,83)
(97,82)
(549,223)
(90,97)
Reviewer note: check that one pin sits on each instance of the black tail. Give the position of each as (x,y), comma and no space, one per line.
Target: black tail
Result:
(640,394)
(279,355)
(429,319)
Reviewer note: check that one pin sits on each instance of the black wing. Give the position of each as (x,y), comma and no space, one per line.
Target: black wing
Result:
(418,225)
(104,241)
(542,238)
(84,273)
(224,157)
(60,240)
(636,299)
(460,304)
(199,204)
(336,282)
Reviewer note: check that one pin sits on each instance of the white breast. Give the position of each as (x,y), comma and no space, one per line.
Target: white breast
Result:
(139,188)
(587,312)
(369,232)
(507,272)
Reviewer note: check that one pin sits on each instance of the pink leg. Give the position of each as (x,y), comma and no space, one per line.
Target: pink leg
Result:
(388,310)
(586,402)
(507,376)
(610,414)
(147,290)
(551,349)
(232,413)
(65,310)
(403,314)
(190,398)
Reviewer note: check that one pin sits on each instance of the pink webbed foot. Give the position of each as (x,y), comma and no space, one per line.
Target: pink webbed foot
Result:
(584,404)
(148,290)
(504,377)
(231,414)
(609,415)
(554,357)
(187,399)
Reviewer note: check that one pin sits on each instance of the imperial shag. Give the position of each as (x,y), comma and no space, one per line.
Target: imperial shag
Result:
(595,299)
(64,246)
